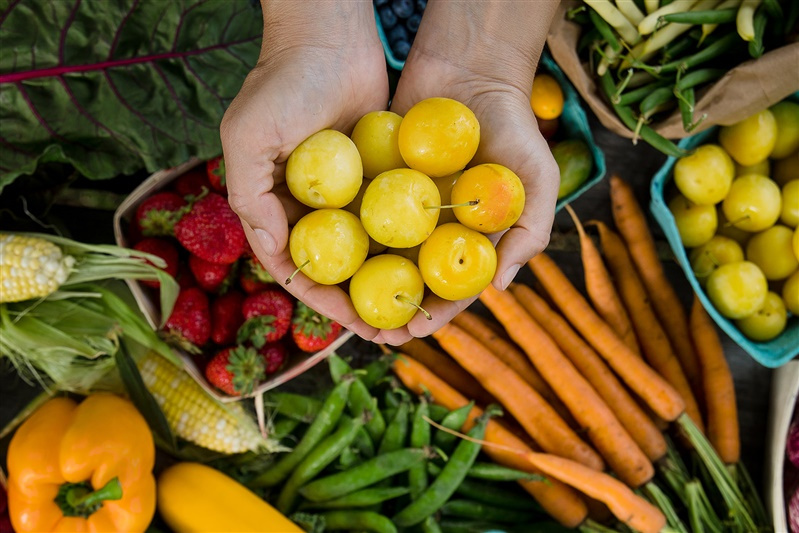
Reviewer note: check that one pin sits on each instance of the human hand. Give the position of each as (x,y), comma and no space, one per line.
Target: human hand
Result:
(321,66)
(492,73)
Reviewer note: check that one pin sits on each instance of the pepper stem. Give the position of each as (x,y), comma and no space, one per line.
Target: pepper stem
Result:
(78,499)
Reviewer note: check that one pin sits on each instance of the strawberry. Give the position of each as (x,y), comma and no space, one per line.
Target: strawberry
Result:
(163,249)
(235,370)
(254,277)
(209,276)
(192,183)
(157,214)
(267,317)
(274,354)
(184,276)
(190,321)
(226,317)
(212,231)
(215,170)
(310,330)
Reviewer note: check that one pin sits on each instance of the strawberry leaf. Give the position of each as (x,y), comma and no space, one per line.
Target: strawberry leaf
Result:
(255,330)
(247,369)
(116,87)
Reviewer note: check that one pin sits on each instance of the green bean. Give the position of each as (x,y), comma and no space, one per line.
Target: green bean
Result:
(711,51)
(756,45)
(283,427)
(687,99)
(697,77)
(364,444)
(681,46)
(495,472)
(444,486)
(362,498)
(320,457)
(482,511)
(454,421)
(773,9)
(587,39)
(709,16)
(605,31)
(396,433)
(655,101)
(491,493)
(358,521)
(297,406)
(420,438)
(377,370)
(636,95)
(361,402)
(367,473)
(324,423)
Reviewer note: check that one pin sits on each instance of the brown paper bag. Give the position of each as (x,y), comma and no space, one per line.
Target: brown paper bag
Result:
(751,86)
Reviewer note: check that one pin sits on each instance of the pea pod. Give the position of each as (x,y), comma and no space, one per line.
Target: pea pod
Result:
(296,406)
(430,525)
(321,456)
(283,427)
(444,486)
(460,525)
(364,444)
(367,473)
(360,400)
(481,511)
(376,370)
(362,498)
(358,521)
(420,438)
(348,458)
(495,472)
(322,425)
(437,412)
(491,493)
(396,433)
(454,421)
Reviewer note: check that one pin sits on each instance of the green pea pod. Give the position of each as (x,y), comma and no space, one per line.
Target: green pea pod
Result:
(338,367)
(495,472)
(437,412)
(358,521)
(445,485)
(396,434)
(362,498)
(324,423)
(481,511)
(430,525)
(320,457)
(364,444)
(377,370)
(349,457)
(363,475)
(361,403)
(283,427)
(420,438)
(297,406)
(490,493)
(454,421)
(391,399)
(460,525)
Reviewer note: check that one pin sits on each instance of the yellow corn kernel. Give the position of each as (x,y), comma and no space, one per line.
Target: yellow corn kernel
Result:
(30,267)
(196,416)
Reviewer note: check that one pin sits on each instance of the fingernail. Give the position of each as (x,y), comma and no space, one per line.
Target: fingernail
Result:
(266,241)
(508,276)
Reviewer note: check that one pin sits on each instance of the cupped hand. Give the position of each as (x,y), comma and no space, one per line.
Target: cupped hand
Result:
(317,70)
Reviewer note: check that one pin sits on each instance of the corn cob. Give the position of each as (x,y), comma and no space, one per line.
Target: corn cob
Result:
(31,267)
(194,415)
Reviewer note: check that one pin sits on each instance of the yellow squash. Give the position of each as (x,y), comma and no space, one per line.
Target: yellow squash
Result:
(193,497)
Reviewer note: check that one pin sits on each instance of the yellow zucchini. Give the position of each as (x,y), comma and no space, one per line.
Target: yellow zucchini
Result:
(193,497)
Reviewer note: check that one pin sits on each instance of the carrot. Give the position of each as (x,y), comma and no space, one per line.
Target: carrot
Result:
(631,224)
(628,507)
(722,412)
(604,430)
(658,394)
(654,341)
(600,288)
(637,423)
(534,414)
(443,365)
(560,501)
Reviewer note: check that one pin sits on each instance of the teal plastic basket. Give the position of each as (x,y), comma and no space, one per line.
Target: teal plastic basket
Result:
(773,353)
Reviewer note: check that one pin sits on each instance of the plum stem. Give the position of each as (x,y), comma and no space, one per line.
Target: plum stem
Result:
(288,280)
(407,300)
(464,204)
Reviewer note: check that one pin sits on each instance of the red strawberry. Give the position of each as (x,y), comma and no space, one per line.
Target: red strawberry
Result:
(215,170)
(184,276)
(163,249)
(267,317)
(311,331)
(274,354)
(226,317)
(193,183)
(212,231)
(235,370)
(209,276)
(157,214)
(190,321)
(254,277)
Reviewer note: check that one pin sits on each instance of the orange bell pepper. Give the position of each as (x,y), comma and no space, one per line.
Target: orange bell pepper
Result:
(82,467)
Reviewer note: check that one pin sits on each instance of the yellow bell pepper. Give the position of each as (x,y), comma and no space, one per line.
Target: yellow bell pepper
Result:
(82,467)
(194,498)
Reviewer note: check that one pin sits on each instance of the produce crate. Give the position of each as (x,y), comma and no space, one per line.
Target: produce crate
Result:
(784,394)
(773,353)
(147,299)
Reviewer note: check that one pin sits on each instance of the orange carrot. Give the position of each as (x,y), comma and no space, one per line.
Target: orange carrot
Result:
(600,288)
(628,507)
(604,429)
(722,412)
(632,225)
(658,394)
(654,341)
(559,500)
(536,416)
(641,428)
(443,365)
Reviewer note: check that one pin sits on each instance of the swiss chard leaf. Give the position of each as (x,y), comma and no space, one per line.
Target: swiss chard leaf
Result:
(114,86)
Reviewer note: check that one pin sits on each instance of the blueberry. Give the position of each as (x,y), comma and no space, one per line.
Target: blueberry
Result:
(401,49)
(420,5)
(402,8)
(397,33)
(413,22)
(379,3)
(387,17)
